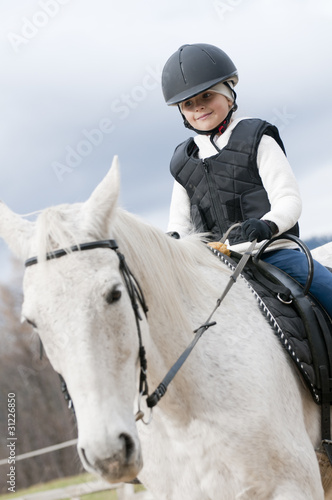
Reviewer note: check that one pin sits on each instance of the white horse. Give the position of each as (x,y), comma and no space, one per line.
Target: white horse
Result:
(236,421)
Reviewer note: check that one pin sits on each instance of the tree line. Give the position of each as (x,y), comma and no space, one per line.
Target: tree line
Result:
(37,413)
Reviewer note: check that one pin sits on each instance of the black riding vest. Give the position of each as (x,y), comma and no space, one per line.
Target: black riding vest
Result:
(226,188)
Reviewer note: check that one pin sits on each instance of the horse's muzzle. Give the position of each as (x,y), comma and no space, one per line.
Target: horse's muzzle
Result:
(122,464)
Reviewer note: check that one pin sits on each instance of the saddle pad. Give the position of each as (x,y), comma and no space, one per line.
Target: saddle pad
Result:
(286,324)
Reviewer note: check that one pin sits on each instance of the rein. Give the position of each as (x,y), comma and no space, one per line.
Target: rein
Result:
(137,297)
(155,397)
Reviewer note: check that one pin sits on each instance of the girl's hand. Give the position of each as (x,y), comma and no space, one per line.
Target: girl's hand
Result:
(257,229)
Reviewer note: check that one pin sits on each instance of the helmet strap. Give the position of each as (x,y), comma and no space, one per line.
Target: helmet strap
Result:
(219,130)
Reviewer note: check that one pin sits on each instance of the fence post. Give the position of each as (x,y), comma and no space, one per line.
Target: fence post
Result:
(126,492)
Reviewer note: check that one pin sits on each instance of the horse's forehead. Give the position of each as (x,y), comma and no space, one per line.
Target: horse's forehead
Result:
(66,278)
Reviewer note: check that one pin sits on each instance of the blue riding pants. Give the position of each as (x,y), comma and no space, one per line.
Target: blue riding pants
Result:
(294,263)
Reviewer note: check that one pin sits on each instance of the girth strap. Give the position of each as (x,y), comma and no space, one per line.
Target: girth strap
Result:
(326,383)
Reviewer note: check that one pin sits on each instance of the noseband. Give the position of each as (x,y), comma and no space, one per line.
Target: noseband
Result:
(136,297)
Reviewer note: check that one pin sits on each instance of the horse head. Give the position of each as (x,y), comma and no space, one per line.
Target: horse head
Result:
(79,307)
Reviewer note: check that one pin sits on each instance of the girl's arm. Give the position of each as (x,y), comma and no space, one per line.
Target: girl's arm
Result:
(280,184)
(179,216)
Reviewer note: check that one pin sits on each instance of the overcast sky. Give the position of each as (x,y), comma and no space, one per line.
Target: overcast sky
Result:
(80,82)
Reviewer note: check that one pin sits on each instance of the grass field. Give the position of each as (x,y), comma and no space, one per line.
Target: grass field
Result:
(62,483)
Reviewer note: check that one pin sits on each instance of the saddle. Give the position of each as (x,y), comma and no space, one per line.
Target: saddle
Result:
(301,324)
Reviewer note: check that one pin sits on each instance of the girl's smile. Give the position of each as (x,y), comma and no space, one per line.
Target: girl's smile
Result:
(203,117)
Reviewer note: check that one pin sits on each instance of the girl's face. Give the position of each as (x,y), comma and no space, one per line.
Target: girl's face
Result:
(206,111)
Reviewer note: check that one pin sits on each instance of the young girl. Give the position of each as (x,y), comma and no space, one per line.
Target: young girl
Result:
(234,170)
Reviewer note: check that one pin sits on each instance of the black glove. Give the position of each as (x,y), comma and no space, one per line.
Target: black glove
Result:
(256,229)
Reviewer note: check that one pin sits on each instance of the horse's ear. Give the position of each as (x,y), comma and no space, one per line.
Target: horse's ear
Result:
(98,209)
(16,231)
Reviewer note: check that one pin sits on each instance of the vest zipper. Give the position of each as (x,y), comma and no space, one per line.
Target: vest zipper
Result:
(220,220)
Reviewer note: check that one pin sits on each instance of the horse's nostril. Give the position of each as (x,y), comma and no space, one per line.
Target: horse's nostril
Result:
(84,459)
(125,453)
(129,445)
(83,454)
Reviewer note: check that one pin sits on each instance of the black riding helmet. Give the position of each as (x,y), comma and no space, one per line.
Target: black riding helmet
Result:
(193,69)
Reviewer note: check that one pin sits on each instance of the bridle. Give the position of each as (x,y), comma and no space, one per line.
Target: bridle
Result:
(136,298)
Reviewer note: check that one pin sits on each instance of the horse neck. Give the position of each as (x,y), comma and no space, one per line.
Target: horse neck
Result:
(172,287)
(167,271)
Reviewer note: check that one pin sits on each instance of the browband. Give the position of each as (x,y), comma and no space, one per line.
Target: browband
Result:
(112,244)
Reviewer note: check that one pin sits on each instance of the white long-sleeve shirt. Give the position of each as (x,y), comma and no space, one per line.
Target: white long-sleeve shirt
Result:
(277,178)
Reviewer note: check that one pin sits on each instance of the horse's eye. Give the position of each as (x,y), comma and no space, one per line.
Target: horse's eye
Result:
(32,323)
(113,295)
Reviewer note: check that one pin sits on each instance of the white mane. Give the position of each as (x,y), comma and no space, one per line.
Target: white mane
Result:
(56,227)
(175,260)
(159,257)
